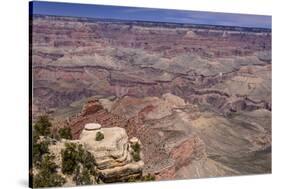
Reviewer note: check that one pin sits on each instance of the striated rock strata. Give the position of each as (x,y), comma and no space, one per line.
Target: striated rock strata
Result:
(112,154)
(180,140)
(226,68)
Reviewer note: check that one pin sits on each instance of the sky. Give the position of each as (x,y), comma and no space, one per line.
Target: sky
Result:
(150,14)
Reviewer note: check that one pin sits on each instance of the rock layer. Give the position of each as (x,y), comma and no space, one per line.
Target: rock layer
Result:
(112,154)
(211,65)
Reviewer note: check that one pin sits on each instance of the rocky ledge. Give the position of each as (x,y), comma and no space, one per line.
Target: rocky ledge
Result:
(113,154)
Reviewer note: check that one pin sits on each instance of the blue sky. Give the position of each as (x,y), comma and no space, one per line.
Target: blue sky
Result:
(150,14)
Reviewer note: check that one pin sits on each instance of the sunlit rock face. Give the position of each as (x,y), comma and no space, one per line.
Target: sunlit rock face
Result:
(112,154)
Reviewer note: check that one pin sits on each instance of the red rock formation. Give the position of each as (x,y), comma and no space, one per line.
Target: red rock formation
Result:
(91,107)
(184,153)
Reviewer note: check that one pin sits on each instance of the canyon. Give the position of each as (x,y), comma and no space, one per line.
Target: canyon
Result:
(197,97)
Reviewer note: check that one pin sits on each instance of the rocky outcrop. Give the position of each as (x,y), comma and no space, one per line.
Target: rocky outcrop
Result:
(113,154)
(179,139)
(91,107)
(94,112)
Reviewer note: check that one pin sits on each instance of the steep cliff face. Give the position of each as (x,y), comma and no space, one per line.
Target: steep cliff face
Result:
(113,154)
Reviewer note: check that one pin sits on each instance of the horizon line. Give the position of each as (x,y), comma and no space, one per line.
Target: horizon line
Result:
(148,21)
(149,14)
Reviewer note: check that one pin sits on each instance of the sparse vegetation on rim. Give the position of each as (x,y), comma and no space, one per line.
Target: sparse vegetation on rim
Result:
(148,177)
(65,133)
(38,150)
(99,136)
(144,178)
(42,127)
(76,161)
(136,151)
(47,175)
(74,155)
(82,177)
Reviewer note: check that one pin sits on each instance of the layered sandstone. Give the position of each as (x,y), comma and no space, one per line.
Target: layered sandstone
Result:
(112,154)
(227,68)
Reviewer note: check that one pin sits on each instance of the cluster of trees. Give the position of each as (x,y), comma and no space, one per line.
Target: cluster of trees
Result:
(40,146)
(43,126)
(47,175)
(42,137)
(79,163)
(65,133)
(76,161)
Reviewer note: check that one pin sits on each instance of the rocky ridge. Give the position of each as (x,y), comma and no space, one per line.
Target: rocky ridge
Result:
(181,141)
(112,155)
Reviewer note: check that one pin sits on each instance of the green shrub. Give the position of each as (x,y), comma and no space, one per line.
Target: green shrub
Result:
(73,155)
(65,133)
(38,150)
(136,151)
(136,156)
(88,161)
(148,177)
(47,164)
(99,136)
(136,147)
(69,158)
(42,126)
(47,174)
(82,178)
(132,179)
